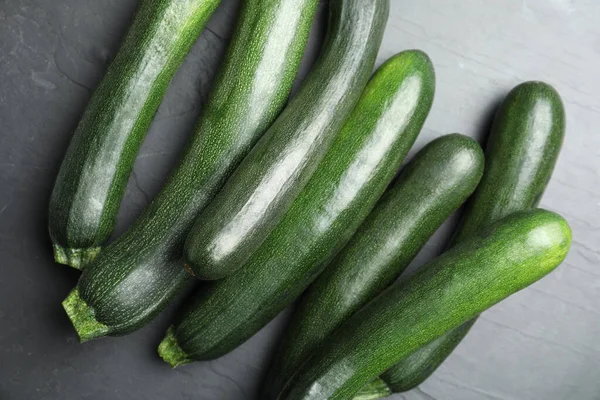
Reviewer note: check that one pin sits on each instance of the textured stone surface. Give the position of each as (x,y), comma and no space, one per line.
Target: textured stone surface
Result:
(539,344)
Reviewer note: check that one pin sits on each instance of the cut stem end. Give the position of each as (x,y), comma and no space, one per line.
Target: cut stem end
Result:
(83,319)
(76,258)
(170,351)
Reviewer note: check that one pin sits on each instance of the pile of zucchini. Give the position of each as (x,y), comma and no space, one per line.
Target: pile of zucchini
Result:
(279,199)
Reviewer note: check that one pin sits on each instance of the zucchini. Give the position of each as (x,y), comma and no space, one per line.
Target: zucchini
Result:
(135,277)
(266,183)
(522,149)
(356,170)
(94,173)
(429,189)
(448,291)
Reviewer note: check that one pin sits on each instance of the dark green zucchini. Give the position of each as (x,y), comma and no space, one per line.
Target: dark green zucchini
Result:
(448,291)
(429,189)
(135,277)
(350,179)
(522,149)
(94,173)
(266,183)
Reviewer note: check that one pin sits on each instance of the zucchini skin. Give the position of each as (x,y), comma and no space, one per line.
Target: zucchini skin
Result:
(94,173)
(268,180)
(346,186)
(524,144)
(413,369)
(135,277)
(429,189)
(444,294)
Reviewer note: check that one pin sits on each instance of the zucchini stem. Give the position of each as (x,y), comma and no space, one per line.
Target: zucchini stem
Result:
(82,317)
(76,258)
(170,351)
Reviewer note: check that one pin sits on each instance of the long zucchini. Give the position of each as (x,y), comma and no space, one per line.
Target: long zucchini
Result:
(428,190)
(346,186)
(94,173)
(453,288)
(522,150)
(266,183)
(135,277)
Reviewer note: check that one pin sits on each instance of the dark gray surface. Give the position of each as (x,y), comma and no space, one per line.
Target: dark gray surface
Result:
(540,344)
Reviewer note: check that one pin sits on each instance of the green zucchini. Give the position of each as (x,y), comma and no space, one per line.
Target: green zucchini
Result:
(429,189)
(522,149)
(266,183)
(94,173)
(453,288)
(134,278)
(350,179)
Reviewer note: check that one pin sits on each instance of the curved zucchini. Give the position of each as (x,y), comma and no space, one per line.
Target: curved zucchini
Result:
(344,189)
(448,291)
(430,188)
(135,277)
(94,173)
(523,147)
(266,183)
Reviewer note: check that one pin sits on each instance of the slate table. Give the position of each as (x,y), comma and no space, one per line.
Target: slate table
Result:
(540,344)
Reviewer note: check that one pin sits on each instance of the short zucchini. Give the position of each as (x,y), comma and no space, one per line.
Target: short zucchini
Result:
(266,183)
(448,291)
(349,181)
(430,188)
(94,173)
(522,149)
(134,278)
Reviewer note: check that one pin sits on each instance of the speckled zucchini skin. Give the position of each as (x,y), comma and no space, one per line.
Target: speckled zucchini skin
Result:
(266,183)
(94,173)
(448,291)
(430,188)
(135,277)
(412,370)
(349,181)
(522,149)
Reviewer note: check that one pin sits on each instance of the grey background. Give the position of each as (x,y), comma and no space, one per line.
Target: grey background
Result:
(542,343)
